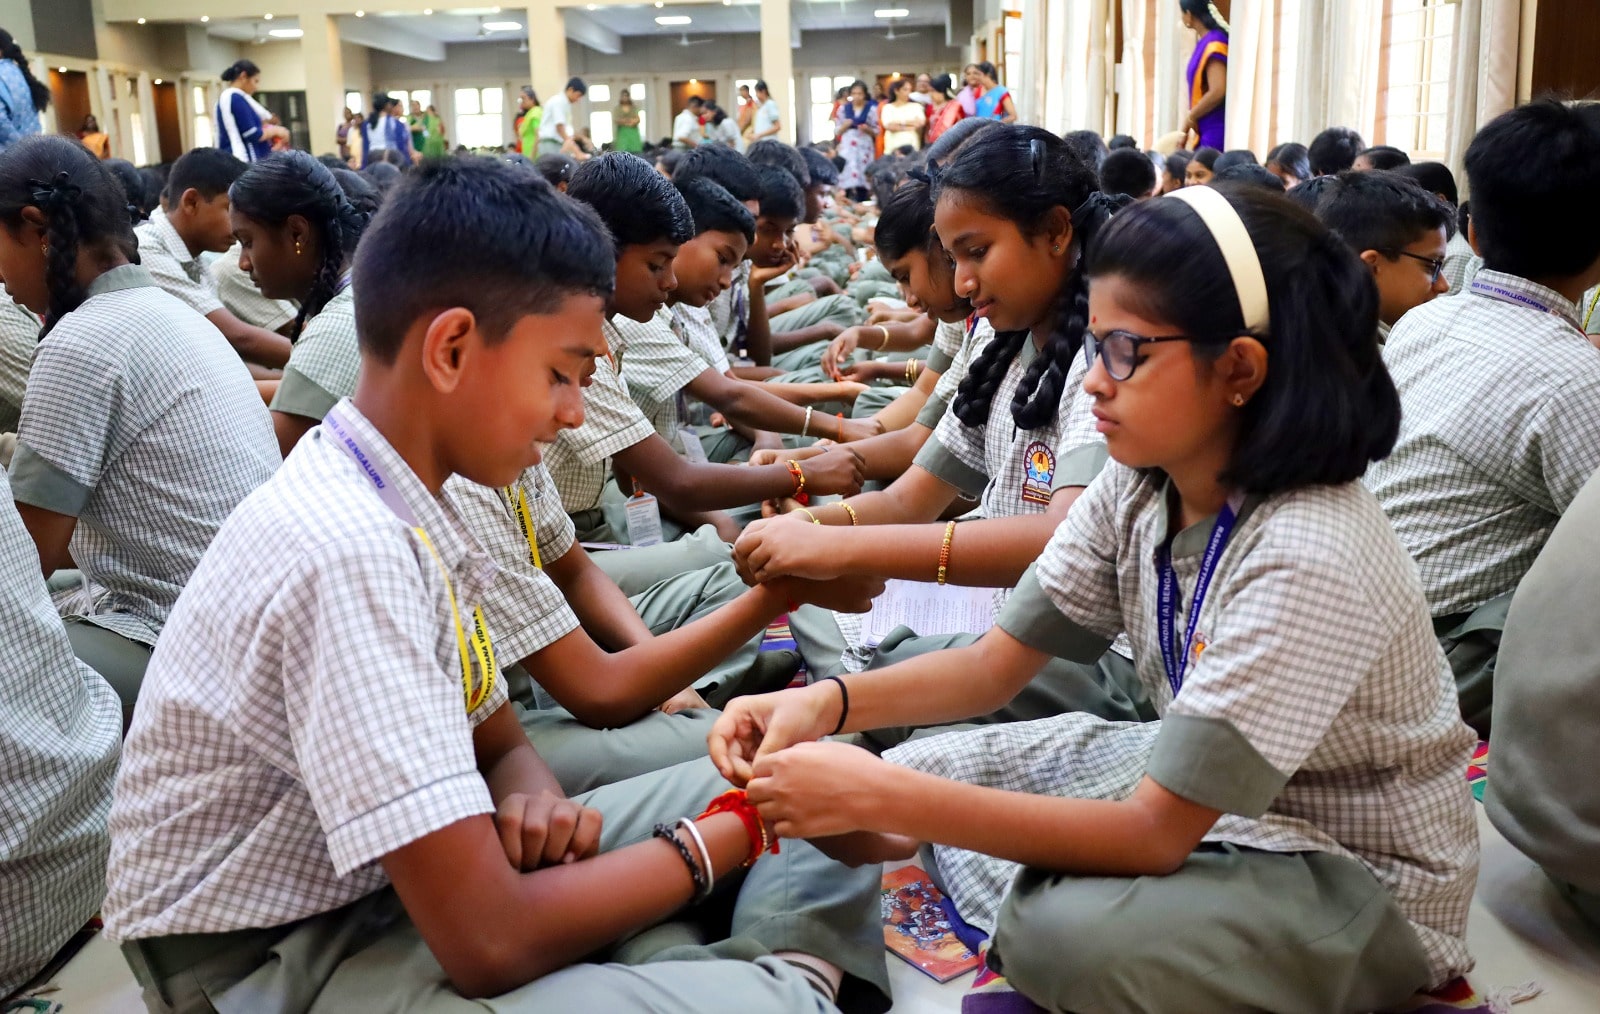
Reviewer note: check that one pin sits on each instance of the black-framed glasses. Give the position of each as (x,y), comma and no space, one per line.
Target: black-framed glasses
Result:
(1119,350)
(1435,266)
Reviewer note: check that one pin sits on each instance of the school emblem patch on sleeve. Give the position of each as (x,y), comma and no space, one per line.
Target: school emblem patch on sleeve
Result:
(1039,468)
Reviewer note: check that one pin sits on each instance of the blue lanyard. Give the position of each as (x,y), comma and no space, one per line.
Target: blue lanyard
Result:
(1166,605)
(1493,291)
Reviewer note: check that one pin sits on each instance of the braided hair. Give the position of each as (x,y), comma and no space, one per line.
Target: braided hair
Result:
(1022,174)
(294,183)
(37,90)
(83,205)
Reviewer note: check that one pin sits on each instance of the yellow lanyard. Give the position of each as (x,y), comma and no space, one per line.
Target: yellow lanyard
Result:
(517,497)
(481,648)
(1590,315)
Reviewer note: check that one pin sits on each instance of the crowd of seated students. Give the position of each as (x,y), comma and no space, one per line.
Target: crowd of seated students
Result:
(389,559)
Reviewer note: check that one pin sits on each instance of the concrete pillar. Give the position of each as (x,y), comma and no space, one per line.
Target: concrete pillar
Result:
(41,70)
(105,111)
(777,61)
(324,63)
(147,119)
(547,54)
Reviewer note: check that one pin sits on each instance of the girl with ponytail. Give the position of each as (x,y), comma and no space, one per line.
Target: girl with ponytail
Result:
(1291,834)
(1014,212)
(298,222)
(140,420)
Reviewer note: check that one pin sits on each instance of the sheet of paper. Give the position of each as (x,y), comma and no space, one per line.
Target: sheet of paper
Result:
(928,609)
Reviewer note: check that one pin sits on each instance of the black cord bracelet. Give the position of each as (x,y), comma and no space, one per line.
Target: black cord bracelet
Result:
(844,710)
(670,833)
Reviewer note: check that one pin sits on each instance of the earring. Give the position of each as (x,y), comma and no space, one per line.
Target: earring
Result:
(1238,401)
(1056,248)
(297,250)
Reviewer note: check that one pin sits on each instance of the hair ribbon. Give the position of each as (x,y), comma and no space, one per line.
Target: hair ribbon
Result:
(59,191)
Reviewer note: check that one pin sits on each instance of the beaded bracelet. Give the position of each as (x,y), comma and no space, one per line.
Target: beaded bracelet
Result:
(735,801)
(944,551)
(800,496)
(854,518)
(670,833)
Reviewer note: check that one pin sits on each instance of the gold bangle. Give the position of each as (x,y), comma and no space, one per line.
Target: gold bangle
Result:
(944,551)
(854,520)
(885,343)
(810,515)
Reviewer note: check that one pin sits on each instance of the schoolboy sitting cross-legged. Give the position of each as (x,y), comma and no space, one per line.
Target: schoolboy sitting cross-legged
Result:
(278,844)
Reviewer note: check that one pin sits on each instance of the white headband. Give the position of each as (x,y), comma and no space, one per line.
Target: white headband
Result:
(1228,230)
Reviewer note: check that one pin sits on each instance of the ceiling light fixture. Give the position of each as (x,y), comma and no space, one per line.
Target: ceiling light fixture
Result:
(267,17)
(669,20)
(158,81)
(287,33)
(61,70)
(141,21)
(502,26)
(891,12)
(205,18)
(361,14)
(428,11)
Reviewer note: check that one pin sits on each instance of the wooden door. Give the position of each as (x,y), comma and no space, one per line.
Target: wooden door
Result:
(168,132)
(69,93)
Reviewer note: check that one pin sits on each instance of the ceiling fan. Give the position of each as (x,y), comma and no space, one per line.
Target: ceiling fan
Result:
(684,40)
(892,35)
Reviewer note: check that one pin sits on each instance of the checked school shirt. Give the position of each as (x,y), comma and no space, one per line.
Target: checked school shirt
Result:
(163,253)
(1319,713)
(580,459)
(1500,429)
(141,422)
(325,362)
(258,785)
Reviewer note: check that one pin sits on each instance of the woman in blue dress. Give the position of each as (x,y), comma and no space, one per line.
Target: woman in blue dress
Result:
(994,102)
(244,126)
(22,96)
(1208,74)
(385,129)
(856,129)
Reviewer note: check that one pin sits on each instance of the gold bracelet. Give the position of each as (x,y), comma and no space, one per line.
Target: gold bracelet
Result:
(854,520)
(885,343)
(911,371)
(808,514)
(944,551)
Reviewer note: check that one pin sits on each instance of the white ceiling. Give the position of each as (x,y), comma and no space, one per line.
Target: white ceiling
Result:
(627,19)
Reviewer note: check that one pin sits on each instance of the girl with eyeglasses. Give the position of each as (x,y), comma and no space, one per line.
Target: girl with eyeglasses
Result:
(1014,211)
(1293,833)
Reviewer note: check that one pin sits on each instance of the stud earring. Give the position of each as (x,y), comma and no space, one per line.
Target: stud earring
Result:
(1238,401)
(297,250)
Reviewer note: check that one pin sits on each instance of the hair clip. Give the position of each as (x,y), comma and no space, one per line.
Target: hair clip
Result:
(1036,158)
(58,191)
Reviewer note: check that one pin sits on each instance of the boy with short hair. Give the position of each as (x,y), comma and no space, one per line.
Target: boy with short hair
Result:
(193,220)
(1399,230)
(648,223)
(263,814)
(1500,387)
(555,126)
(1128,172)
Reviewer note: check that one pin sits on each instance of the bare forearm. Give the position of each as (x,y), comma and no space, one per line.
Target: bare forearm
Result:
(788,341)
(990,553)
(788,303)
(887,456)
(935,688)
(808,393)
(1089,837)
(903,411)
(758,329)
(601,607)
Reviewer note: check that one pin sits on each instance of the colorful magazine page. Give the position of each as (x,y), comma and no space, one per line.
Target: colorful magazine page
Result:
(917,928)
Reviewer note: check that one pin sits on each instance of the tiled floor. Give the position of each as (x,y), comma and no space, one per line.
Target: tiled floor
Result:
(1519,930)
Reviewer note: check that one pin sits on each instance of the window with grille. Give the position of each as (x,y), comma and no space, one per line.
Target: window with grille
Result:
(1421,37)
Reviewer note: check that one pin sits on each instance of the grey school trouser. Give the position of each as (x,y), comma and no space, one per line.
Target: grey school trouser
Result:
(1234,929)
(119,661)
(369,957)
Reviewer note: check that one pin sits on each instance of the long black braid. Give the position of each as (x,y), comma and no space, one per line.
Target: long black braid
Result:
(294,183)
(83,206)
(1038,395)
(1023,174)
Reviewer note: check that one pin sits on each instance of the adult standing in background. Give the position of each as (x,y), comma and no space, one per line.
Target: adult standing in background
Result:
(530,114)
(995,102)
(945,110)
(433,142)
(626,119)
(22,96)
(94,138)
(556,125)
(385,130)
(244,126)
(767,121)
(902,118)
(1208,73)
(972,89)
(856,128)
(688,127)
(747,115)
(923,95)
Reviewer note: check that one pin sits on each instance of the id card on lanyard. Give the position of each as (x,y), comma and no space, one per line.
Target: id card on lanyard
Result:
(1504,295)
(476,648)
(1177,657)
